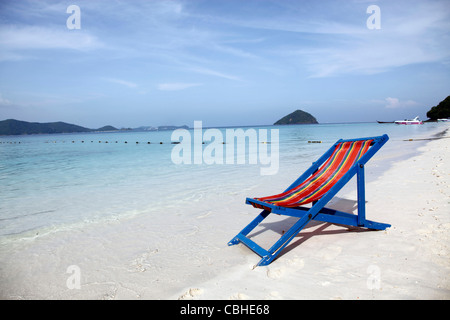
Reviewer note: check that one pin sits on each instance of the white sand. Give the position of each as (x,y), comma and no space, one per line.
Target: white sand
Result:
(190,259)
(410,260)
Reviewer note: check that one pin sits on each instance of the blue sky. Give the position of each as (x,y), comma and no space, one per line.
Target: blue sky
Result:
(224,62)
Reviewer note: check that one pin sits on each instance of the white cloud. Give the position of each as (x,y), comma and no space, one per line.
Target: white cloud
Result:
(14,37)
(176,86)
(4,101)
(411,33)
(214,73)
(395,103)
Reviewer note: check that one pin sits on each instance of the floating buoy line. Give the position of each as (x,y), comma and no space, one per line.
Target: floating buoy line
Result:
(172,142)
(109,142)
(92,141)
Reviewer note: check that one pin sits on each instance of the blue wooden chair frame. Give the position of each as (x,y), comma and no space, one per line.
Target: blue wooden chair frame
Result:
(317,211)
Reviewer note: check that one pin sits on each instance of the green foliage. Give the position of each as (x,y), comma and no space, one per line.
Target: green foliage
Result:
(106,128)
(16,127)
(297,117)
(441,111)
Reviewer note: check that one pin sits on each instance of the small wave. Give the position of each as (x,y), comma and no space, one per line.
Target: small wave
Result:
(26,215)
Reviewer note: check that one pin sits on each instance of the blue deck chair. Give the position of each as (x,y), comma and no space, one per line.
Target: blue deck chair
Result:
(318,185)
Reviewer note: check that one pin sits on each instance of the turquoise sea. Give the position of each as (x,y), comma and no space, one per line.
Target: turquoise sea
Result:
(60,181)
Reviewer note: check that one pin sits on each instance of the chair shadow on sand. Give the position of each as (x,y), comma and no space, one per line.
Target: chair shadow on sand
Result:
(319,228)
(316,188)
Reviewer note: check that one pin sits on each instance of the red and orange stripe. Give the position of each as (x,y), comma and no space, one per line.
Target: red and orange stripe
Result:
(344,156)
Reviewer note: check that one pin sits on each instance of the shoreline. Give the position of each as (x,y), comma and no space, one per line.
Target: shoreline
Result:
(407,261)
(125,259)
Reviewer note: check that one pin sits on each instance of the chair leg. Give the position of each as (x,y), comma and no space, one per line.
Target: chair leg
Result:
(252,225)
(361,195)
(275,250)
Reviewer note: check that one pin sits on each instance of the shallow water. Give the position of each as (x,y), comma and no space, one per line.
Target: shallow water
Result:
(53,182)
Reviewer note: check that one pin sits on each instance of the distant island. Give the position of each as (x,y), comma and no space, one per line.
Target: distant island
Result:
(17,127)
(297,117)
(441,111)
(12,127)
(160,128)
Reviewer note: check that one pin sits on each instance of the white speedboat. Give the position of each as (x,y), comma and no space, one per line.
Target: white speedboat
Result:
(416,120)
(443,120)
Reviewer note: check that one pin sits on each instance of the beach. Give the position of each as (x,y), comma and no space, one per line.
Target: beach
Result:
(187,258)
(135,134)
(410,260)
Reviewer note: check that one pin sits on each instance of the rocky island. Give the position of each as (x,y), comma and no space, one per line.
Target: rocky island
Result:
(297,117)
(16,127)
